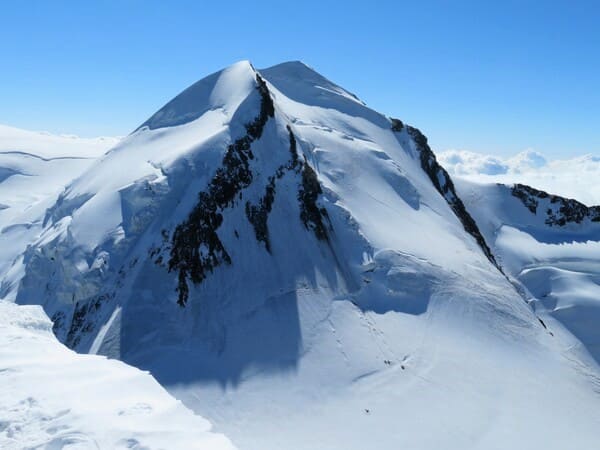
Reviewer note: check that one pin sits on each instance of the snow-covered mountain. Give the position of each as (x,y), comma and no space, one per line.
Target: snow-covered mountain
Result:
(300,270)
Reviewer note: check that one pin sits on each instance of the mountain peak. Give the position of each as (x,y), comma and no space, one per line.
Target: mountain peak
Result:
(297,79)
(224,89)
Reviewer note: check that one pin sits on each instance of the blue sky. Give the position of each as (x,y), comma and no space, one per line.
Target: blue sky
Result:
(494,77)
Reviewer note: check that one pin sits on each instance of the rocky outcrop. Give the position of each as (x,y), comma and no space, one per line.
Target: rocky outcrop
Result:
(558,211)
(311,214)
(196,248)
(258,214)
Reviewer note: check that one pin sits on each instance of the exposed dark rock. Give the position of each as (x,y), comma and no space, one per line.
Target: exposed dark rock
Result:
(196,248)
(293,164)
(444,185)
(397,125)
(310,213)
(259,214)
(530,201)
(565,211)
(58,321)
(83,316)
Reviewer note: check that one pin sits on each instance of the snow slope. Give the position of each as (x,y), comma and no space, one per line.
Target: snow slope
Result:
(53,398)
(549,244)
(297,268)
(34,168)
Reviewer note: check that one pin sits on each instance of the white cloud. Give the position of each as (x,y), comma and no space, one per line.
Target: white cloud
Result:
(577,178)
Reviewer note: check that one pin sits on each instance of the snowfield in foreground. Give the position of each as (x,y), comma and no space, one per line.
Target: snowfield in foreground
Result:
(54,398)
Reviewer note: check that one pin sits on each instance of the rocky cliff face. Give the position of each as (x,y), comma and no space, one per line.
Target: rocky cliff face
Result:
(558,211)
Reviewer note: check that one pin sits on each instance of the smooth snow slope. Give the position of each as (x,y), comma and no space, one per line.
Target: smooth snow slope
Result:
(559,265)
(34,168)
(274,253)
(53,398)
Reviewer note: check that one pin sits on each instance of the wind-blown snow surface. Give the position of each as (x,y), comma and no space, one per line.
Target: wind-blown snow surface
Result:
(54,398)
(274,253)
(34,168)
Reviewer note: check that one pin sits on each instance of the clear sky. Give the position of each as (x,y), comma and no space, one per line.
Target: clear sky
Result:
(495,77)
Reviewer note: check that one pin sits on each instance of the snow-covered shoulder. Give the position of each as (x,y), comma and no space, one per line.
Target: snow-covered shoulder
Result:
(52,397)
(550,245)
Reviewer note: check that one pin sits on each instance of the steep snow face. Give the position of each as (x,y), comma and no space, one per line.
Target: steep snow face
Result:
(281,257)
(52,397)
(551,245)
(34,169)
(559,211)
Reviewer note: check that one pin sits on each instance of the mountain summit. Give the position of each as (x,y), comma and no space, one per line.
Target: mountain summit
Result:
(299,269)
